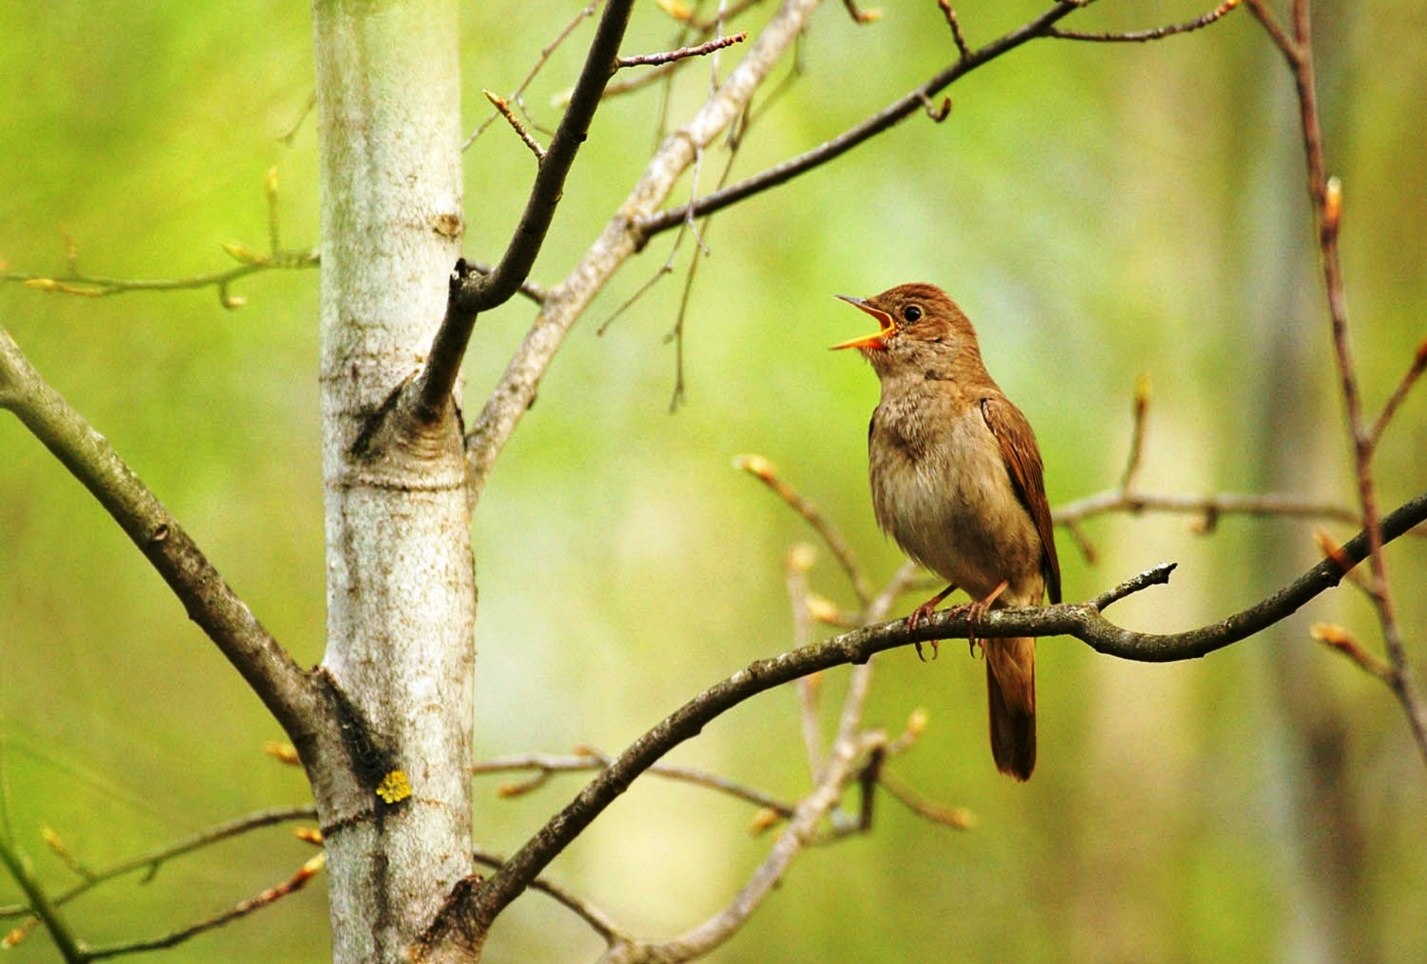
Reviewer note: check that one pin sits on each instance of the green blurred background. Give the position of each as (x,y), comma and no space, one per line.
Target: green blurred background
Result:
(1100,212)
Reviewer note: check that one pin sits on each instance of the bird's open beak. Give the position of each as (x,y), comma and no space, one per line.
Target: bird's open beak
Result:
(884,320)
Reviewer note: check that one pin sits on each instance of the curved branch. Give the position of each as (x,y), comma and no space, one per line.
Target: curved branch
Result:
(1082,621)
(479,292)
(268,668)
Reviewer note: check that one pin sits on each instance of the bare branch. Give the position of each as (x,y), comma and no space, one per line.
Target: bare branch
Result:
(278,681)
(19,867)
(541,61)
(1325,194)
(957,36)
(546,764)
(957,818)
(516,389)
(1209,506)
(1419,363)
(858,15)
(683,53)
(1156,33)
(75,282)
(839,771)
(101,286)
(1340,640)
(796,563)
(503,108)
(764,470)
(473,293)
(599,921)
(243,908)
(899,110)
(1082,621)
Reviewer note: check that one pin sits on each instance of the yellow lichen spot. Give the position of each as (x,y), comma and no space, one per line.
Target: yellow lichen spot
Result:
(394,787)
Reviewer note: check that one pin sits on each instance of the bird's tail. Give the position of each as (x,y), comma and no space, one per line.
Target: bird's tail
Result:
(1011,692)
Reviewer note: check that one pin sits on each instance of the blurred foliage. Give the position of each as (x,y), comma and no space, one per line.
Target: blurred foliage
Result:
(1100,212)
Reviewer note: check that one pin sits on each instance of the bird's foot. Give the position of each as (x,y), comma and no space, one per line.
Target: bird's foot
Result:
(973,611)
(922,613)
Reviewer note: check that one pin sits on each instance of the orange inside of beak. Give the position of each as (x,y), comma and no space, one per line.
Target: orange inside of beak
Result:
(877,340)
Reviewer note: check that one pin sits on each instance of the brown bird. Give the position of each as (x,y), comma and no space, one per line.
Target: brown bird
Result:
(957,481)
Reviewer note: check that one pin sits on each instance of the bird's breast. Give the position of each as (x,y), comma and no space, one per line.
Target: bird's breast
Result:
(941,489)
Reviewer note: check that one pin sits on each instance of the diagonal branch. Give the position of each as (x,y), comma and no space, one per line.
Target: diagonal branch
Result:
(891,115)
(620,240)
(1082,621)
(279,682)
(479,292)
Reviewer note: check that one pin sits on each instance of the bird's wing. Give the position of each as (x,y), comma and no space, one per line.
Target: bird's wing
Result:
(1023,463)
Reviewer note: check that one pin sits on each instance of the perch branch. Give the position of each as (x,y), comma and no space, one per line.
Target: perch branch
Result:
(1082,621)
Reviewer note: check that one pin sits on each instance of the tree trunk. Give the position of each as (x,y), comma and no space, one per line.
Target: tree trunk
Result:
(399,663)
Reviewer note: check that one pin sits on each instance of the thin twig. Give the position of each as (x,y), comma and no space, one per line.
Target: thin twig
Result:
(764,470)
(241,909)
(45,909)
(859,15)
(1218,504)
(1389,409)
(797,562)
(891,115)
(957,37)
(840,770)
(1155,33)
(150,861)
(540,62)
(546,764)
(1137,434)
(101,286)
(1340,640)
(474,293)
(503,108)
(957,818)
(683,53)
(600,922)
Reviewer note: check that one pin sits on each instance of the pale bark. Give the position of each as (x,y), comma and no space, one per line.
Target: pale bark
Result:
(401,588)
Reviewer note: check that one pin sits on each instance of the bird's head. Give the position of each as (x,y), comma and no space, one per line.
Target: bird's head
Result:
(918,324)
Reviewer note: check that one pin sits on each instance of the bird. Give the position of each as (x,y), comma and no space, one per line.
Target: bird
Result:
(957,481)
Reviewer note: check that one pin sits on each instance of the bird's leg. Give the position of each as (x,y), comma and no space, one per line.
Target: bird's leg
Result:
(922,612)
(975,609)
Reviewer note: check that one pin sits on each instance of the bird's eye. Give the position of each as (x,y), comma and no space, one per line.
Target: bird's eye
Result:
(911,314)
